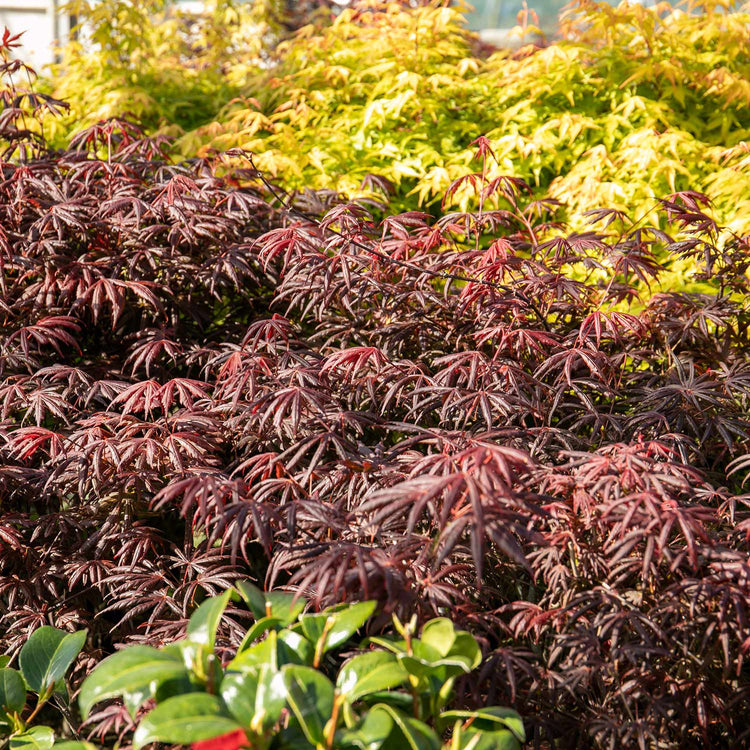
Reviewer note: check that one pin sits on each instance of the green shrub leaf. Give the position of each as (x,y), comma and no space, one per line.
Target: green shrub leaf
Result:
(279,604)
(489,718)
(440,634)
(337,625)
(255,698)
(46,656)
(183,720)
(473,739)
(310,696)
(368,673)
(369,733)
(416,734)
(36,738)
(12,690)
(128,670)
(466,646)
(258,629)
(205,620)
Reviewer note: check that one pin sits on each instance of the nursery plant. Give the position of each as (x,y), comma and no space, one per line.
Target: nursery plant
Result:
(626,105)
(283,689)
(622,106)
(43,662)
(485,415)
(163,64)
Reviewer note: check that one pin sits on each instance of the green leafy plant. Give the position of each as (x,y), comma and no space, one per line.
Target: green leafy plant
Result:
(626,105)
(43,663)
(163,64)
(156,62)
(286,688)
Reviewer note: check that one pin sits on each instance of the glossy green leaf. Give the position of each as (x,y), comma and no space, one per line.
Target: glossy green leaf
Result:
(260,654)
(439,634)
(396,698)
(395,645)
(369,733)
(466,645)
(425,660)
(183,720)
(255,698)
(205,620)
(12,690)
(473,739)
(192,654)
(199,660)
(337,626)
(310,696)
(278,649)
(489,718)
(368,673)
(415,734)
(47,654)
(4,660)
(36,738)
(258,629)
(293,738)
(128,670)
(298,650)
(181,685)
(74,745)
(279,604)
(442,669)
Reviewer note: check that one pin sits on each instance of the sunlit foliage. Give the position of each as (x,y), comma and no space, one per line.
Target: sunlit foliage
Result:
(161,64)
(631,104)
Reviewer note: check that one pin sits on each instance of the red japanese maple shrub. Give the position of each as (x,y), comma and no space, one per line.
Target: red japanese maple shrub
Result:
(476,414)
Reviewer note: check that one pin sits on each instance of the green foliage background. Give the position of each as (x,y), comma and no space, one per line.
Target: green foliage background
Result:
(628,105)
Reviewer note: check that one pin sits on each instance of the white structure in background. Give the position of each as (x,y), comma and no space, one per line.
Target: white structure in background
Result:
(43,24)
(46,27)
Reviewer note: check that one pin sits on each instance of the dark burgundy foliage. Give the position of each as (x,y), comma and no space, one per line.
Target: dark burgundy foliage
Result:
(197,384)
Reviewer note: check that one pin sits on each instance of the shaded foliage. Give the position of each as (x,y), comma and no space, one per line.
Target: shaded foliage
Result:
(482,415)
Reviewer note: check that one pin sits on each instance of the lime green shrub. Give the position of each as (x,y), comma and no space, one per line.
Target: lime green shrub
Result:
(631,104)
(157,63)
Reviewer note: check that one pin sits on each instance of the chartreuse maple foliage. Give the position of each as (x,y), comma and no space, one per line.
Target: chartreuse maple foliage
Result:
(156,62)
(629,104)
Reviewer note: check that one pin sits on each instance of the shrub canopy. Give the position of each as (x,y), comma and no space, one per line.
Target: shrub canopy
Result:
(629,104)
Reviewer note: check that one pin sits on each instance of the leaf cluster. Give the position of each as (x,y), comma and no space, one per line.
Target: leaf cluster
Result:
(275,692)
(626,105)
(164,66)
(43,662)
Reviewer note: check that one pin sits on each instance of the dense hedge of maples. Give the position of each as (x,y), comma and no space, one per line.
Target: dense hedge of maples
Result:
(484,413)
